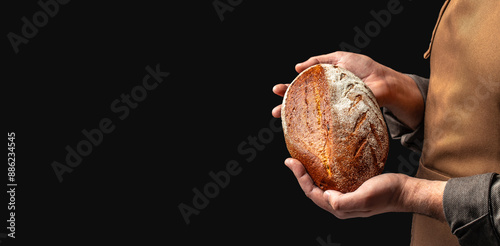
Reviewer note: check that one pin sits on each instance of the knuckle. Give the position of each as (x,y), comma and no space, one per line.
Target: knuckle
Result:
(308,194)
(335,205)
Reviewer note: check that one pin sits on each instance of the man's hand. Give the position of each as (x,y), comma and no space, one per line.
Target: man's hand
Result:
(388,192)
(393,90)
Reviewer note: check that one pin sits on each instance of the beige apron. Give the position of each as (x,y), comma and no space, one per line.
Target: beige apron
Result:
(462,115)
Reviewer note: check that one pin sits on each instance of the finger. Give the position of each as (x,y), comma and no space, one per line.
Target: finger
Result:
(297,168)
(280,89)
(306,183)
(331,58)
(276,111)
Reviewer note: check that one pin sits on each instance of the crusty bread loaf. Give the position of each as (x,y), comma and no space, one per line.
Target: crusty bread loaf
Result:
(333,125)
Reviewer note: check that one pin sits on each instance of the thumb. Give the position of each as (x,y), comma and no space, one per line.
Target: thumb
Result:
(333,197)
(346,202)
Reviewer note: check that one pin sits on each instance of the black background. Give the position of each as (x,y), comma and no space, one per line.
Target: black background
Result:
(217,95)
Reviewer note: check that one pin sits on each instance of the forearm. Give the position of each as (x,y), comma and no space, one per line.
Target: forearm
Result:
(423,197)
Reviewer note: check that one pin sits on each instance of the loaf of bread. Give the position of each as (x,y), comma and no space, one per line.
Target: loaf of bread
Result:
(333,125)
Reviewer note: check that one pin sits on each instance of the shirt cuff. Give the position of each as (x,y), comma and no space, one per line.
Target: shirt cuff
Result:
(471,207)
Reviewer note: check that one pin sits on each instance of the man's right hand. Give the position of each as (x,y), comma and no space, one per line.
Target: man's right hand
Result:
(394,90)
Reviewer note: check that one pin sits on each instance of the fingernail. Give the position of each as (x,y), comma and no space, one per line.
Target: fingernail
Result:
(327,194)
(298,64)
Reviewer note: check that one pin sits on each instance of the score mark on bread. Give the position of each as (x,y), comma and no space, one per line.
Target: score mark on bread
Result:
(333,125)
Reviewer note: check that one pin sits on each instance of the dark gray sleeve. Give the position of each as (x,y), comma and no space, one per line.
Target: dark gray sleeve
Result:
(472,208)
(412,139)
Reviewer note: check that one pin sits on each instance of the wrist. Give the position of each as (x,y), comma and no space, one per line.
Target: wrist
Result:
(396,84)
(423,196)
(404,99)
(390,90)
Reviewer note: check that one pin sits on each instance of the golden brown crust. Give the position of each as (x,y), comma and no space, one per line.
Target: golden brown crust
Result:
(333,125)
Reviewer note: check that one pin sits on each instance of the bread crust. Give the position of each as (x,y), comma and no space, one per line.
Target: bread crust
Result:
(333,124)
